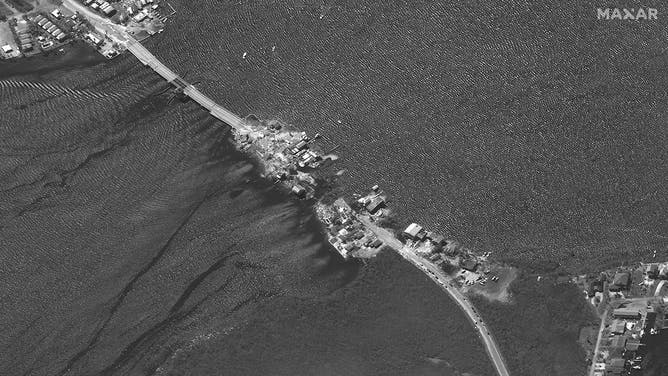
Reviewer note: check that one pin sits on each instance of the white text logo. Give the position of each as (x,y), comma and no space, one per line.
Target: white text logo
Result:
(627,14)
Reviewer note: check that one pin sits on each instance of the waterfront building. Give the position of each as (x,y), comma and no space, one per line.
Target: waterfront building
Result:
(626,313)
(374,205)
(413,230)
(617,327)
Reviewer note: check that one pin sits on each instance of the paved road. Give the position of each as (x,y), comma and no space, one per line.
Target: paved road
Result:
(120,36)
(598,342)
(437,275)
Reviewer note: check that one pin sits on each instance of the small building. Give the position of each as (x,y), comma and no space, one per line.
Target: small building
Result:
(374,205)
(108,11)
(413,230)
(618,342)
(626,313)
(56,13)
(299,191)
(47,25)
(7,49)
(615,364)
(139,17)
(621,280)
(468,264)
(61,36)
(93,38)
(618,327)
(301,145)
(375,244)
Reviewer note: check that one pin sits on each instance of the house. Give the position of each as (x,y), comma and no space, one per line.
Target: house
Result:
(468,264)
(618,327)
(626,313)
(93,38)
(621,280)
(301,145)
(375,244)
(374,205)
(108,10)
(299,191)
(618,342)
(56,13)
(413,230)
(7,48)
(615,364)
(139,17)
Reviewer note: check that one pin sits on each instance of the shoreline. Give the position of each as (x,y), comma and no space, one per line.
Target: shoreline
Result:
(75,54)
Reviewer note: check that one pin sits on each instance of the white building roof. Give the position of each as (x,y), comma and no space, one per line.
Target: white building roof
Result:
(413,229)
(7,48)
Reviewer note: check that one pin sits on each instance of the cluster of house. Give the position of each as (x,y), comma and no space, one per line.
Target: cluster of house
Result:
(417,233)
(345,232)
(623,345)
(622,280)
(49,27)
(140,9)
(25,39)
(101,6)
(302,155)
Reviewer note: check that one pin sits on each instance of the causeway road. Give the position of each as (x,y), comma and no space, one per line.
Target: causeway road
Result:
(440,278)
(118,34)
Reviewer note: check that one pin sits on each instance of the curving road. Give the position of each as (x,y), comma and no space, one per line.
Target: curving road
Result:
(437,275)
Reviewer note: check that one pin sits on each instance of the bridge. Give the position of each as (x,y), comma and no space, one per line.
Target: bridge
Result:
(118,34)
(216,110)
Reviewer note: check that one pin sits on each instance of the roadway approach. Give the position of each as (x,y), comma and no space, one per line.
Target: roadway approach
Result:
(440,278)
(120,36)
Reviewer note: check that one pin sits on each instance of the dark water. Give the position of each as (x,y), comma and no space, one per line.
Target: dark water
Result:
(528,128)
(136,241)
(656,363)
